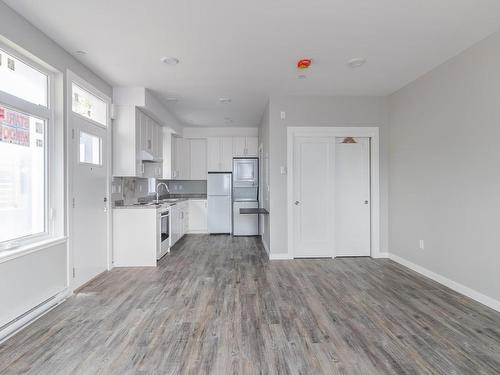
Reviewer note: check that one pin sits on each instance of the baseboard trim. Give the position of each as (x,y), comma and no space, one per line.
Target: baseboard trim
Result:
(283,256)
(10,329)
(381,256)
(457,287)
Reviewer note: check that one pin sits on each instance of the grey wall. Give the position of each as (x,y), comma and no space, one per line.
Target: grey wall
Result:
(265,191)
(445,169)
(42,274)
(320,111)
(19,31)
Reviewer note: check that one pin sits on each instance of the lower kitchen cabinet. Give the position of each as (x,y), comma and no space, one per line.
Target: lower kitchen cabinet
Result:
(179,221)
(136,237)
(197,216)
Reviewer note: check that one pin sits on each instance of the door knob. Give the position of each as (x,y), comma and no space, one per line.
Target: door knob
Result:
(296,203)
(366,202)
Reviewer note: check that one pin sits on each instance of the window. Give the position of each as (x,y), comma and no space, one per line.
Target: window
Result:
(88,105)
(90,149)
(30,163)
(22,174)
(21,80)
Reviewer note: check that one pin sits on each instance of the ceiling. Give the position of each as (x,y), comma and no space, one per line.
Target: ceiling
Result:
(247,50)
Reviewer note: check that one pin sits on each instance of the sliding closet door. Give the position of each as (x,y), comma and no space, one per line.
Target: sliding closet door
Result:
(312,200)
(352,197)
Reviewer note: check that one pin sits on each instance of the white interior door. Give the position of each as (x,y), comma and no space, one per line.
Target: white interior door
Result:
(312,197)
(89,171)
(352,197)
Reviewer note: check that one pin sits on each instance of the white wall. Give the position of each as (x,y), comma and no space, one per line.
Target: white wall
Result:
(233,131)
(265,193)
(445,169)
(320,111)
(31,279)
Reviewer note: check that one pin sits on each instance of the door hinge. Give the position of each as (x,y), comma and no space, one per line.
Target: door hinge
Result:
(72,133)
(73,202)
(74,272)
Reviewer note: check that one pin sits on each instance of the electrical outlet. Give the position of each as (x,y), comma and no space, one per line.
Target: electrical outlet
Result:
(421,244)
(283,115)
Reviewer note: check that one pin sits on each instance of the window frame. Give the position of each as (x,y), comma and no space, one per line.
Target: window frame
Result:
(77,83)
(47,114)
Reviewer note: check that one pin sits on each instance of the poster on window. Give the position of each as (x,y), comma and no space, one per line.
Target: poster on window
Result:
(14,127)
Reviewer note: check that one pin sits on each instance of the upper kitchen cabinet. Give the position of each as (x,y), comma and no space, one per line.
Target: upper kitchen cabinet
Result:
(137,151)
(198,159)
(245,146)
(220,154)
(151,138)
(181,159)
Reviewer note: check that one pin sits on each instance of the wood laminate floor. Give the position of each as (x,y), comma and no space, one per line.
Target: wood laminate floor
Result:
(216,305)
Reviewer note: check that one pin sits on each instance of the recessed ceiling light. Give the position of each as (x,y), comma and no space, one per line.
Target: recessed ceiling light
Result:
(172,99)
(170,60)
(80,52)
(225,100)
(356,62)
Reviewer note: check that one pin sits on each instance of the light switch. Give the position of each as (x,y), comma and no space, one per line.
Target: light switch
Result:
(283,115)
(283,170)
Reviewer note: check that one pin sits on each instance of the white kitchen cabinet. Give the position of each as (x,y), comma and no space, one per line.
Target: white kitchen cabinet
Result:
(197,216)
(214,154)
(184,208)
(245,146)
(220,154)
(136,237)
(252,146)
(179,221)
(181,158)
(226,154)
(198,159)
(239,146)
(175,225)
(133,133)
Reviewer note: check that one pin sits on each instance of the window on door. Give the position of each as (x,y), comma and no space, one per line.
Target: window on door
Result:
(90,149)
(24,157)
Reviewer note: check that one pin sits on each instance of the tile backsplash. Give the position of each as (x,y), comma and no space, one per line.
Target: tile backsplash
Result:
(131,189)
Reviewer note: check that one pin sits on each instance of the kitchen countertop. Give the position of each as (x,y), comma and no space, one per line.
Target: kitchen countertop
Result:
(164,202)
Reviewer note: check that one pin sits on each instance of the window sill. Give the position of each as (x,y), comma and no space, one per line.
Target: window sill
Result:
(24,250)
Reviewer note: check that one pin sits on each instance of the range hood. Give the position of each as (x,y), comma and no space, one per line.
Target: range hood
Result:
(147,157)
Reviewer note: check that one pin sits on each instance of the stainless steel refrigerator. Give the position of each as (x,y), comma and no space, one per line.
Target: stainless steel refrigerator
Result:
(245,195)
(219,202)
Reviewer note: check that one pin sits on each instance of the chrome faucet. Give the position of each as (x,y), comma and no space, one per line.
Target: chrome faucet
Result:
(158,190)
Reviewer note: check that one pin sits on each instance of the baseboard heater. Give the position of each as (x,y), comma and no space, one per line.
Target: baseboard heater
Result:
(11,328)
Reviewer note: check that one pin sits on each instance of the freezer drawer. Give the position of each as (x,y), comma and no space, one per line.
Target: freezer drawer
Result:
(245,225)
(219,214)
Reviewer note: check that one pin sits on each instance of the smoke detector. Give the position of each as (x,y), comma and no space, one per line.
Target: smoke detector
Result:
(356,62)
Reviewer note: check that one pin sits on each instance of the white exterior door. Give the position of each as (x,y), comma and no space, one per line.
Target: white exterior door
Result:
(312,197)
(352,197)
(89,196)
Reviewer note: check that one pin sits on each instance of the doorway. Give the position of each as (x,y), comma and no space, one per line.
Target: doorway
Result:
(89,173)
(333,199)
